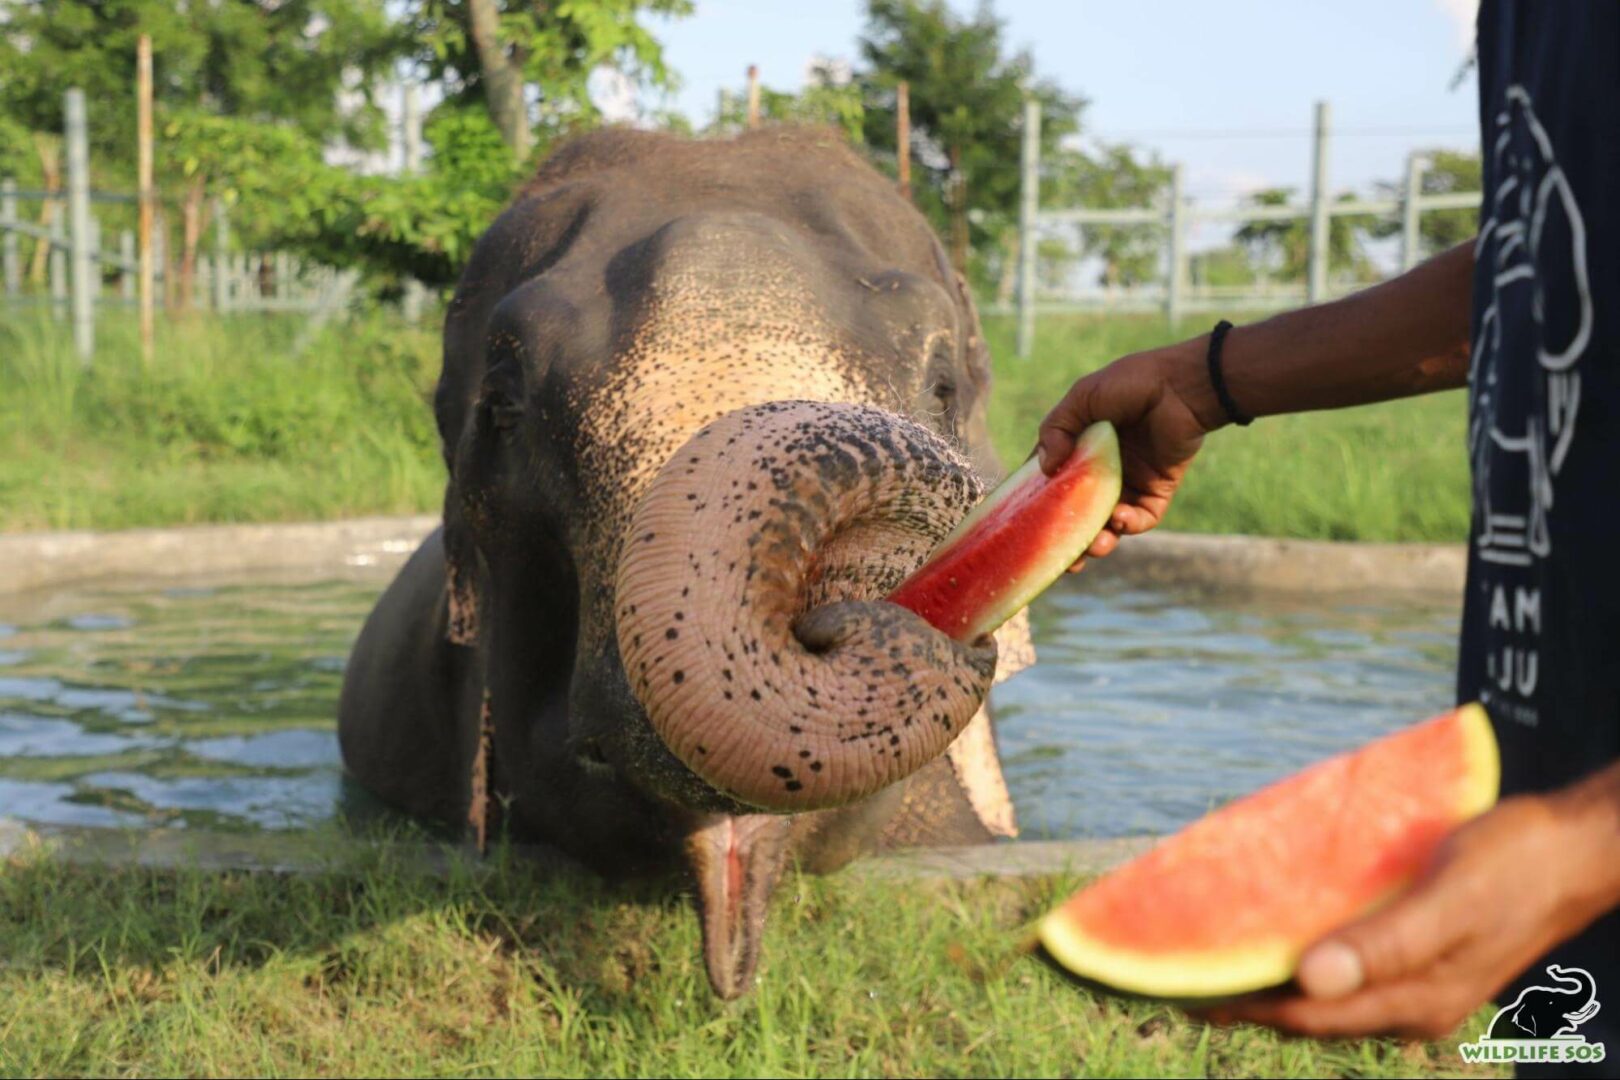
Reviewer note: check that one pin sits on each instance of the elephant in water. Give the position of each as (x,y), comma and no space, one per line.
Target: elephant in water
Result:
(1541,1012)
(717,690)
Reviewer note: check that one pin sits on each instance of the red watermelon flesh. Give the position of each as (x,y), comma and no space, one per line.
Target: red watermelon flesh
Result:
(1228,904)
(1017,541)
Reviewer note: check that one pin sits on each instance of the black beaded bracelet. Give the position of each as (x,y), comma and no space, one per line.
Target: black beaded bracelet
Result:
(1217,337)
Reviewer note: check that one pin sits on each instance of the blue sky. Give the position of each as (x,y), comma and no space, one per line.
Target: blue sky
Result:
(1225,88)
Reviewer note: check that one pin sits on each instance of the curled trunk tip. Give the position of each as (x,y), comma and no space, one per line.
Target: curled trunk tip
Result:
(747,606)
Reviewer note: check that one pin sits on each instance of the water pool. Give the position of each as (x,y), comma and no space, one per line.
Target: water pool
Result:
(213,707)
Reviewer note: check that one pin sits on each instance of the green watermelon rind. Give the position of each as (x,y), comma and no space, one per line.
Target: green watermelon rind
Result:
(1096,453)
(1222,973)
(1098,442)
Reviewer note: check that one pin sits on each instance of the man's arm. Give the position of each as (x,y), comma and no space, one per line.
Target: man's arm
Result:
(1406,336)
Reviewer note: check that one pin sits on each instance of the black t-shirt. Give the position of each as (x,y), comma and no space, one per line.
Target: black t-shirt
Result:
(1541,619)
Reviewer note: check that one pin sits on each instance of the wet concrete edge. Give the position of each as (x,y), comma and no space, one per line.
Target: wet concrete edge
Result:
(33,561)
(297,854)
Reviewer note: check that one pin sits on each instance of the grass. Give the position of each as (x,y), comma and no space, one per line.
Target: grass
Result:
(242,419)
(378,970)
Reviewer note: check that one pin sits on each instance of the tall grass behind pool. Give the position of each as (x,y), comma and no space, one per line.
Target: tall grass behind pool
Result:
(1392,471)
(237,418)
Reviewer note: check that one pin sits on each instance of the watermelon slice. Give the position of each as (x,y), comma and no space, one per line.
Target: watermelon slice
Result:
(1230,903)
(1017,541)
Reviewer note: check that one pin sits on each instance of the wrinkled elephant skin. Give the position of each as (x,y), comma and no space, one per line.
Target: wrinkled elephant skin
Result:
(703,403)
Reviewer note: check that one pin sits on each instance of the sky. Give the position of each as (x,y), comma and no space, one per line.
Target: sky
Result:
(1226,89)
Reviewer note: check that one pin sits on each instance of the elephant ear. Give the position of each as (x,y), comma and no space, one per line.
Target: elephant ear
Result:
(976,359)
(975,423)
(460,573)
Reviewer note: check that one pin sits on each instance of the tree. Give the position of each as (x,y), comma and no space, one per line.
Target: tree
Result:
(826,99)
(1445,172)
(505,51)
(1222,267)
(967,101)
(421,226)
(274,62)
(243,163)
(268,60)
(1283,248)
(1113,177)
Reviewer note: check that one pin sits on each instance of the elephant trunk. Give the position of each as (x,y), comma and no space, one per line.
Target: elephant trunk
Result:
(747,615)
(1582,986)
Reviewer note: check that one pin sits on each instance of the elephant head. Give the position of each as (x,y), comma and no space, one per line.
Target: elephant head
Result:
(1541,1012)
(703,405)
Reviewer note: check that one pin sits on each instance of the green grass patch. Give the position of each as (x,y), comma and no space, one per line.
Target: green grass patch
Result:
(380,970)
(252,418)
(238,418)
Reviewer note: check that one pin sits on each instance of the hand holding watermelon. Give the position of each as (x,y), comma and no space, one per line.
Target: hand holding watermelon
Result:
(1268,898)
(1160,404)
(1501,891)
(1229,904)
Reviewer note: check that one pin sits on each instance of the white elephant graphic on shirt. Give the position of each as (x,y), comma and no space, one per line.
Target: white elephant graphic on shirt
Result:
(1534,240)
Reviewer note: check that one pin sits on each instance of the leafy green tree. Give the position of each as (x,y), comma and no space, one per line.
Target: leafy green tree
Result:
(1446,172)
(421,226)
(269,62)
(241,162)
(825,100)
(1113,177)
(967,99)
(1222,267)
(502,52)
(1283,248)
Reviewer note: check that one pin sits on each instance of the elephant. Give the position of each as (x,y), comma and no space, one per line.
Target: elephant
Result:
(1542,1012)
(759,329)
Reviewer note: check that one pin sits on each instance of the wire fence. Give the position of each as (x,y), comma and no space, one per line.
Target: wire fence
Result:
(84,270)
(1173,216)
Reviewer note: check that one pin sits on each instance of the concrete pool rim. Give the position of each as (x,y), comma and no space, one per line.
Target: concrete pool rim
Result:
(295,853)
(50,560)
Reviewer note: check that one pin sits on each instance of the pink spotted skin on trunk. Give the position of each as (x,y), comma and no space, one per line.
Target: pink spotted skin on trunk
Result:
(1017,542)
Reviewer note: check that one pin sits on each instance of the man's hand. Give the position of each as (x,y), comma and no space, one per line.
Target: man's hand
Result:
(1503,890)
(1158,402)
(1406,336)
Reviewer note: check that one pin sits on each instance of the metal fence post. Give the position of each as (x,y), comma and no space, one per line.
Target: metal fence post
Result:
(127,267)
(1411,212)
(95,263)
(1176,252)
(143,178)
(8,238)
(1316,283)
(415,294)
(221,274)
(78,185)
(56,267)
(411,129)
(1029,205)
(160,251)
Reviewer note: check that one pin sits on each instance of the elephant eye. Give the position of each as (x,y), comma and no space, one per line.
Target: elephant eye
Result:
(500,407)
(500,398)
